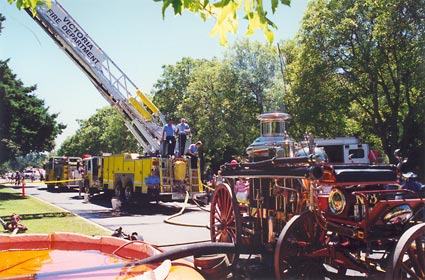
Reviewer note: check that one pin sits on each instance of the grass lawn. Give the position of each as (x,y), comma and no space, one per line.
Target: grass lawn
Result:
(40,217)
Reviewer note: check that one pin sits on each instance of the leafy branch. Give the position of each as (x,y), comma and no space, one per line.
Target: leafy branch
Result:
(225,12)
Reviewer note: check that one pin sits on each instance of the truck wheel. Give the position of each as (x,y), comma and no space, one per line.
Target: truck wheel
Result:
(118,191)
(128,192)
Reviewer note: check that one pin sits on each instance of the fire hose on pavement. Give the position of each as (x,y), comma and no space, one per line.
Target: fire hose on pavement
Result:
(169,218)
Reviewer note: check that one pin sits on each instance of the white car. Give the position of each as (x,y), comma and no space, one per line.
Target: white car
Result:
(34,173)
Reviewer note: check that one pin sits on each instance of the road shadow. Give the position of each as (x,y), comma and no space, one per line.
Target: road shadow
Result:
(11,196)
(41,215)
(140,208)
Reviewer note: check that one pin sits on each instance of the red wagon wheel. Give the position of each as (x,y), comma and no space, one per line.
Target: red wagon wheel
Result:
(225,220)
(300,236)
(408,259)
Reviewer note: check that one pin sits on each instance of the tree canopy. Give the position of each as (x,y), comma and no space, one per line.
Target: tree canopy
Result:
(103,132)
(25,124)
(226,13)
(26,127)
(356,68)
(221,99)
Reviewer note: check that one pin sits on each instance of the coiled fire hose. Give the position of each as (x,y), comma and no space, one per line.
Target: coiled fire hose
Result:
(169,218)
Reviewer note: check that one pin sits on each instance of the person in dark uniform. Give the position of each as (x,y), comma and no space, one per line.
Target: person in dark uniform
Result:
(183,131)
(192,152)
(168,137)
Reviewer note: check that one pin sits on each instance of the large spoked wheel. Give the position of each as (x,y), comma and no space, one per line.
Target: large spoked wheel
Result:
(299,237)
(408,259)
(225,219)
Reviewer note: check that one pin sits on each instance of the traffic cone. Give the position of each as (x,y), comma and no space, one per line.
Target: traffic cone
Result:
(23,188)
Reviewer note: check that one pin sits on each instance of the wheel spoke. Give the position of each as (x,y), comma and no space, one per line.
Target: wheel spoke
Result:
(413,260)
(293,245)
(227,209)
(406,269)
(217,210)
(408,260)
(420,253)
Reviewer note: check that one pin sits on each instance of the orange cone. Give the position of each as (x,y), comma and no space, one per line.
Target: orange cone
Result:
(23,188)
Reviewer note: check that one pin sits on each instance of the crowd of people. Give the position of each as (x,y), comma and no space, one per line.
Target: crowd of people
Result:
(31,174)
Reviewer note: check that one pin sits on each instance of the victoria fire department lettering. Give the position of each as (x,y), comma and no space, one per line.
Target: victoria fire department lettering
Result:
(73,33)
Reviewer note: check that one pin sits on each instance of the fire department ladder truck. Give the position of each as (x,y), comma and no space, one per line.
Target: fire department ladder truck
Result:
(141,116)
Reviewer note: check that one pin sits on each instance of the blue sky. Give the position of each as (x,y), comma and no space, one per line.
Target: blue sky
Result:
(132,33)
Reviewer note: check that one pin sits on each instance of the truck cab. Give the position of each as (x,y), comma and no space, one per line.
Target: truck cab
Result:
(93,173)
(344,149)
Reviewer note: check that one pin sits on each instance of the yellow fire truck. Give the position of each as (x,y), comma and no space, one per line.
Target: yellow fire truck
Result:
(62,172)
(127,175)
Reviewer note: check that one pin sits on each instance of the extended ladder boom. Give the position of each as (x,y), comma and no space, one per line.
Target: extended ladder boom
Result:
(141,116)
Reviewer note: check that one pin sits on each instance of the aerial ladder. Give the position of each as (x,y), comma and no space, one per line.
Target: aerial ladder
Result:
(141,116)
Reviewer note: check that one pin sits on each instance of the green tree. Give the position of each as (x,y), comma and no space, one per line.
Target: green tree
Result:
(171,88)
(370,56)
(105,131)
(28,160)
(225,12)
(25,124)
(220,99)
(222,114)
(313,99)
(258,68)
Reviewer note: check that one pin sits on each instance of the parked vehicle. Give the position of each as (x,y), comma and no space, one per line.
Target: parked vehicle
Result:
(62,172)
(344,149)
(34,173)
(275,141)
(128,177)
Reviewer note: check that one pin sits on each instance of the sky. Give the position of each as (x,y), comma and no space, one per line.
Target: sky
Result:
(132,33)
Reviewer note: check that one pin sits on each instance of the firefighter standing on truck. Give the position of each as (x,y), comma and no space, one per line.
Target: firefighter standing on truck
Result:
(168,137)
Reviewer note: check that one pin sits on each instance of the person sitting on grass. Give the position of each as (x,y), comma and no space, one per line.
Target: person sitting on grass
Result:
(14,225)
